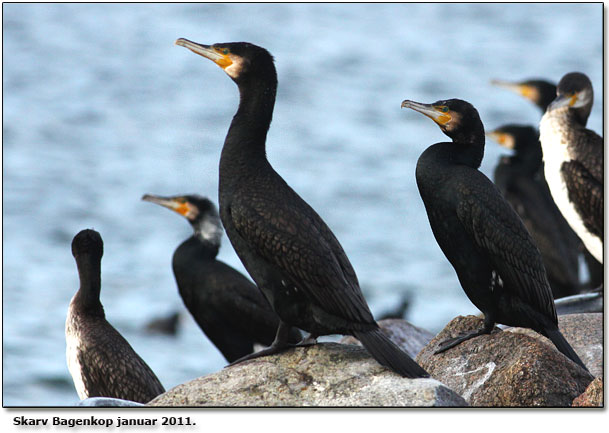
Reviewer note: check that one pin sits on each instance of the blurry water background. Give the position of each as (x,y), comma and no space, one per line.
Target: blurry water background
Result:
(100,107)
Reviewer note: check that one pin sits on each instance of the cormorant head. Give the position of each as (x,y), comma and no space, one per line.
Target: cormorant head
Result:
(522,139)
(539,92)
(456,118)
(200,212)
(240,60)
(574,91)
(88,243)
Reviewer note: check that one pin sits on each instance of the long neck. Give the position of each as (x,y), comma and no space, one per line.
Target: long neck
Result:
(246,138)
(87,297)
(470,147)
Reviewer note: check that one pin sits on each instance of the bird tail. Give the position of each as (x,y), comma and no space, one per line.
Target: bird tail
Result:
(388,354)
(563,346)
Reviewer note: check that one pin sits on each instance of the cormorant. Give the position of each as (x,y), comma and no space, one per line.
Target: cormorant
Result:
(228,307)
(573,160)
(100,360)
(286,247)
(539,92)
(495,258)
(520,179)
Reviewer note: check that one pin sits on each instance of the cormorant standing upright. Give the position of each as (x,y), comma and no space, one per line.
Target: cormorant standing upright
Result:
(228,307)
(495,258)
(520,179)
(541,93)
(100,360)
(283,243)
(573,160)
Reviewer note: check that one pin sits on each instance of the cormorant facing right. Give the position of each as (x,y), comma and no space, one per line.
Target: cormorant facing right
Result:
(286,247)
(539,92)
(573,160)
(495,258)
(520,179)
(102,363)
(228,307)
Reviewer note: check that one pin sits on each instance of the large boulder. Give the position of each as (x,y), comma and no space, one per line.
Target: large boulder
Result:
(503,368)
(408,337)
(584,332)
(325,374)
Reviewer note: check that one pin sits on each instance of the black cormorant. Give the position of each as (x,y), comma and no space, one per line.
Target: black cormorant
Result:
(520,179)
(100,360)
(539,92)
(573,160)
(228,307)
(283,243)
(495,258)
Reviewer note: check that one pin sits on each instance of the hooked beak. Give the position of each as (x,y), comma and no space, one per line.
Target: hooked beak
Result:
(528,92)
(564,101)
(206,51)
(428,110)
(168,202)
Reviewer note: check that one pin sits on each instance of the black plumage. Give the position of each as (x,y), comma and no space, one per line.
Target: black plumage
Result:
(520,179)
(539,92)
(227,306)
(495,258)
(283,243)
(100,360)
(573,160)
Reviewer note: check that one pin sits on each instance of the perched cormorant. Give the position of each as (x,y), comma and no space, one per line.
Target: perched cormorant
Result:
(495,258)
(100,360)
(520,179)
(573,160)
(283,243)
(228,307)
(539,92)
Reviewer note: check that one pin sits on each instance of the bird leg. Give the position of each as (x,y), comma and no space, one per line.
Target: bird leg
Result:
(279,345)
(307,341)
(449,343)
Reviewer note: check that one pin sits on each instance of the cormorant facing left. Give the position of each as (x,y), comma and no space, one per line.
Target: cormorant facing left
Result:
(520,179)
(227,306)
(283,243)
(539,92)
(573,160)
(495,258)
(100,360)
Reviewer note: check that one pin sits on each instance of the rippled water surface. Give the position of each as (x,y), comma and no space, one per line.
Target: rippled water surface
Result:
(100,107)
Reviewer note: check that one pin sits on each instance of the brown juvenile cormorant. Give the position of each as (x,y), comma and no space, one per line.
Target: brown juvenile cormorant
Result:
(573,160)
(100,360)
(227,306)
(520,179)
(283,243)
(541,93)
(495,258)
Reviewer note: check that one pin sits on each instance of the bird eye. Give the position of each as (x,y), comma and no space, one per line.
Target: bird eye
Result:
(225,51)
(444,109)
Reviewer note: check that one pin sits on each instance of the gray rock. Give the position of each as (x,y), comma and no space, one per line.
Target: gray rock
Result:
(504,368)
(584,332)
(408,337)
(325,374)
(108,402)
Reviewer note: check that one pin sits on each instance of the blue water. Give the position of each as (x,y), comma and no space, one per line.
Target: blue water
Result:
(100,107)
